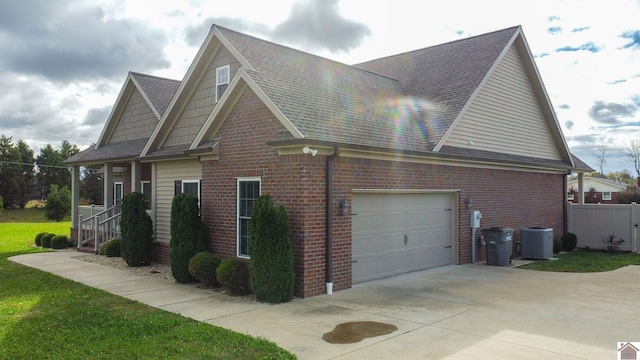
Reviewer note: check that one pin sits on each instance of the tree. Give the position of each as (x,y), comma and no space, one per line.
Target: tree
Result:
(271,266)
(51,167)
(633,152)
(188,235)
(91,186)
(26,173)
(9,172)
(601,156)
(136,243)
(58,203)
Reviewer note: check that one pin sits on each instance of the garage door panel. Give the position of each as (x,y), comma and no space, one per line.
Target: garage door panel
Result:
(380,223)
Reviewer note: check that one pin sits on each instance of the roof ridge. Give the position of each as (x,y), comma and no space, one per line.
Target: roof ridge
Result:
(135,73)
(470,38)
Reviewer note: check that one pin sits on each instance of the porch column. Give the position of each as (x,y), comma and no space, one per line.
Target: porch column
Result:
(135,176)
(75,194)
(580,188)
(108,185)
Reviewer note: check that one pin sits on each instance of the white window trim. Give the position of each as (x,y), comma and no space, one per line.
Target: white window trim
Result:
(142,188)
(227,69)
(606,195)
(115,200)
(191,182)
(238,181)
(570,196)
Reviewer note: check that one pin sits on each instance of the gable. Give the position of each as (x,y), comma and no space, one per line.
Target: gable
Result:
(202,100)
(597,184)
(137,120)
(505,116)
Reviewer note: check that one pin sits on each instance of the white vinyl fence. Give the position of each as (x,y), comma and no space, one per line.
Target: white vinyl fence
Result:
(593,222)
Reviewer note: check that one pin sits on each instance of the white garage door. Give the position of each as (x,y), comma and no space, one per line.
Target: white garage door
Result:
(395,233)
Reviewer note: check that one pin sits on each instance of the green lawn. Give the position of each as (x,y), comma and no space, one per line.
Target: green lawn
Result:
(585,261)
(43,316)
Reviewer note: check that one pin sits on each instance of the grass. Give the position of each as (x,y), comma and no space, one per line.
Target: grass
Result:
(46,316)
(586,261)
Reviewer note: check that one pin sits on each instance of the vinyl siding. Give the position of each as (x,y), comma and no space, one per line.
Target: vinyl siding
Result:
(137,120)
(202,101)
(165,176)
(505,116)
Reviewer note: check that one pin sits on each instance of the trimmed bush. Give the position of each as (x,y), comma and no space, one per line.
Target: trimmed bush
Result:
(113,248)
(569,241)
(271,266)
(46,240)
(188,235)
(58,204)
(557,246)
(233,274)
(1,203)
(59,242)
(38,239)
(136,231)
(203,266)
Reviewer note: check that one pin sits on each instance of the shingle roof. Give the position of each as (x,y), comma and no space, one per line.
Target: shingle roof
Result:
(158,90)
(116,151)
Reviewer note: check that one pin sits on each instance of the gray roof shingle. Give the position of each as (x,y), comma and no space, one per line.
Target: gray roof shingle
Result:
(158,90)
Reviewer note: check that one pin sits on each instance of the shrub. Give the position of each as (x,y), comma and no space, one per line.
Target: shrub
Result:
(112,248)
(1,203)
(233,274)
(557,246)
(612,242)
(59,242)
(38,239)
(136,231)
(46,240)
(58,203)
(203,266)
(271,265)
(628,196)
(569,241)
(188,235)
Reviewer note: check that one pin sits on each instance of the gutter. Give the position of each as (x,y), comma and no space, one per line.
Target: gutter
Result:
(329,218)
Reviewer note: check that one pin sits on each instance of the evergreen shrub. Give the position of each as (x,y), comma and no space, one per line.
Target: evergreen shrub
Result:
(113,248)
(271,265)
(136,231)
(58,204)
(46,240)
(188,235)
(203,266)
(38,239)
(569,241)
(233,274)
(59,242)
(557,246)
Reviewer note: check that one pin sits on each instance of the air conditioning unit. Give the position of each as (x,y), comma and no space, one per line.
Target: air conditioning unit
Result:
(536,243)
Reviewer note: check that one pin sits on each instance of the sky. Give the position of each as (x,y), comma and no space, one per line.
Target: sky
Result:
(63,62)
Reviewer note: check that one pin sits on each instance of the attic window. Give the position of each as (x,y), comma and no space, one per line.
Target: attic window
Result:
(222,80)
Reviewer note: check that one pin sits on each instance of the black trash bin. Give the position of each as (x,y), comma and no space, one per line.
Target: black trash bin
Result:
(499,245)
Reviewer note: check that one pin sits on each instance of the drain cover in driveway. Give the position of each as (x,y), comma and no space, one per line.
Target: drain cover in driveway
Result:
(353,332)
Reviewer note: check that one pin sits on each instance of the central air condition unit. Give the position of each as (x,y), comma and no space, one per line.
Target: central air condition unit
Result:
(536,243)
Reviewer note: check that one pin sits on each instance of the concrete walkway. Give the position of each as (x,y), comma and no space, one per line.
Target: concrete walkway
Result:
(451,312)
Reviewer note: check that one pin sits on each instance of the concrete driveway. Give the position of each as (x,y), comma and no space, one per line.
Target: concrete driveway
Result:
(451,312)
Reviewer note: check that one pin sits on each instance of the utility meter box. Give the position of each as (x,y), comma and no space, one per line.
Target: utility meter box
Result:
(475,219)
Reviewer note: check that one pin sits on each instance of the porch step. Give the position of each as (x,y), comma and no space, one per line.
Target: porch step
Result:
(87,249)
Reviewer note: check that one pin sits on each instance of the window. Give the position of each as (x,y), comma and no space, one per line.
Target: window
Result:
(606,195)
(222,80)
(191,187)
(570,196)
(117,193)
(145,186)
(248,192)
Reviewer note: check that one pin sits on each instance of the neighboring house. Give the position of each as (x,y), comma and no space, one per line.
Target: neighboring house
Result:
(377,164)
(606,190)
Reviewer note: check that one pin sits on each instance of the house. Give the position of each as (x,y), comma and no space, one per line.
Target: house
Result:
(628,351)
(606,190)
(378,164)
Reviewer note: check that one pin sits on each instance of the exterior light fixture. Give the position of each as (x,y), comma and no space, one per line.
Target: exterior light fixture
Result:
(308,150)
(344,206)
(468,202)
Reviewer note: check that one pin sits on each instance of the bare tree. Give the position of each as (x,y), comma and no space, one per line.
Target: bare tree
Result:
(601,155)
(633,151)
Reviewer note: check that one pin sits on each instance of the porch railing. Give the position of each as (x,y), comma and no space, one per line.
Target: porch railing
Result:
(99,228)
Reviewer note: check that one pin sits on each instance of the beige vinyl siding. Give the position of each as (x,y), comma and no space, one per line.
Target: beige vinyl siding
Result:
(202,101)
(166,174)
(137,120)
(505,116)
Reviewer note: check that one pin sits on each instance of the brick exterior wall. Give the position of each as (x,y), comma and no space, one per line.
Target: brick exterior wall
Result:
(505,198)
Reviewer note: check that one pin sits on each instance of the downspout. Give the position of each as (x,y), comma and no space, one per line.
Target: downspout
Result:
(565,205)
(329,218)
